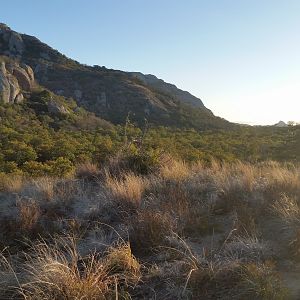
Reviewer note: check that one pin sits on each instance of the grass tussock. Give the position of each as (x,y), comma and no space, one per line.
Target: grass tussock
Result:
(29,215)
(43,188)
(186,232)
(260,281)
(149,230)
(288,209)
(174,170)
(129,189)
(88,171)
(8,278)
(11,183)
(58,271)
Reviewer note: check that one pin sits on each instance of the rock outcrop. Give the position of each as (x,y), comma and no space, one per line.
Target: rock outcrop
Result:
(15,80)
(12,40)
(56,108)
(24,76)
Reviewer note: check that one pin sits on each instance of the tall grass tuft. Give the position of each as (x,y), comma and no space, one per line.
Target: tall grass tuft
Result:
(129,189)
(58,271)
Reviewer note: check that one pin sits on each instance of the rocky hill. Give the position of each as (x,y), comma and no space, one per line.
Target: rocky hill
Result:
(111,94)
(281,124)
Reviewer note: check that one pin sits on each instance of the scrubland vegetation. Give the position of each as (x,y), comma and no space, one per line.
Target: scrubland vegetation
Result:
(179,231)
(35,142)
(92,210)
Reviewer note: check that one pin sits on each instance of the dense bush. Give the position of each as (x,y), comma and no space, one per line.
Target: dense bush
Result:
(33,141)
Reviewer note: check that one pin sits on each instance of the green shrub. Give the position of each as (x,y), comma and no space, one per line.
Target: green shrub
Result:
(9,167)
(19,152)
(36,169)
(61,167)
(144,162)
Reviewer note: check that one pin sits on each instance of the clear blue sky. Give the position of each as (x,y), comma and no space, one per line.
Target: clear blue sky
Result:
(241,57)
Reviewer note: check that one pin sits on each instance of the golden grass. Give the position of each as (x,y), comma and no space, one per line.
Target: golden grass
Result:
(175,170)
(129,189)
(59,272)
(87,170)
(120,262)
(217,274)
(44,188)
(288,209)
(48,189)
(66,190)
(200,203)
(11,183)
(282,180)
(235,178)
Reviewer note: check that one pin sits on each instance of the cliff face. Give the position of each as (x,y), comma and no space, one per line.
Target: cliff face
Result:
(15,81)
(111,94)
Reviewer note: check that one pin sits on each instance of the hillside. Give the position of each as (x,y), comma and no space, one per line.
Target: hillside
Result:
(45,132)
(167,88)
(118,185)
(111,94)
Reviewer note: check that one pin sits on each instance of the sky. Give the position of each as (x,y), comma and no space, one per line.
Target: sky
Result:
(240,57)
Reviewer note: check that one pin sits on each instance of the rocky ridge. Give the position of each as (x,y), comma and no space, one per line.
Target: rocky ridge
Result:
(168,88)
(110,94)
(11,41)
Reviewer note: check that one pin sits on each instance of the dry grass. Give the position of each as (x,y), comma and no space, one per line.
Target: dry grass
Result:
(88,171)
(25,223)
(236,181)
(282,176)
(175,170)
(8,278)
(52,190)
(66,191)
(233,271)
(245,249)
(180,202)
(29,215)
(58,271)
(202,273)
(205,230)
(288,209)
(149,230)
(260,281)
(129,189)
(120,262)
(11,183)
(43,188)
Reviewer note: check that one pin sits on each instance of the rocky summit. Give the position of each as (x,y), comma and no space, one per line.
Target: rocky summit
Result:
(110,94)
(11,41)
